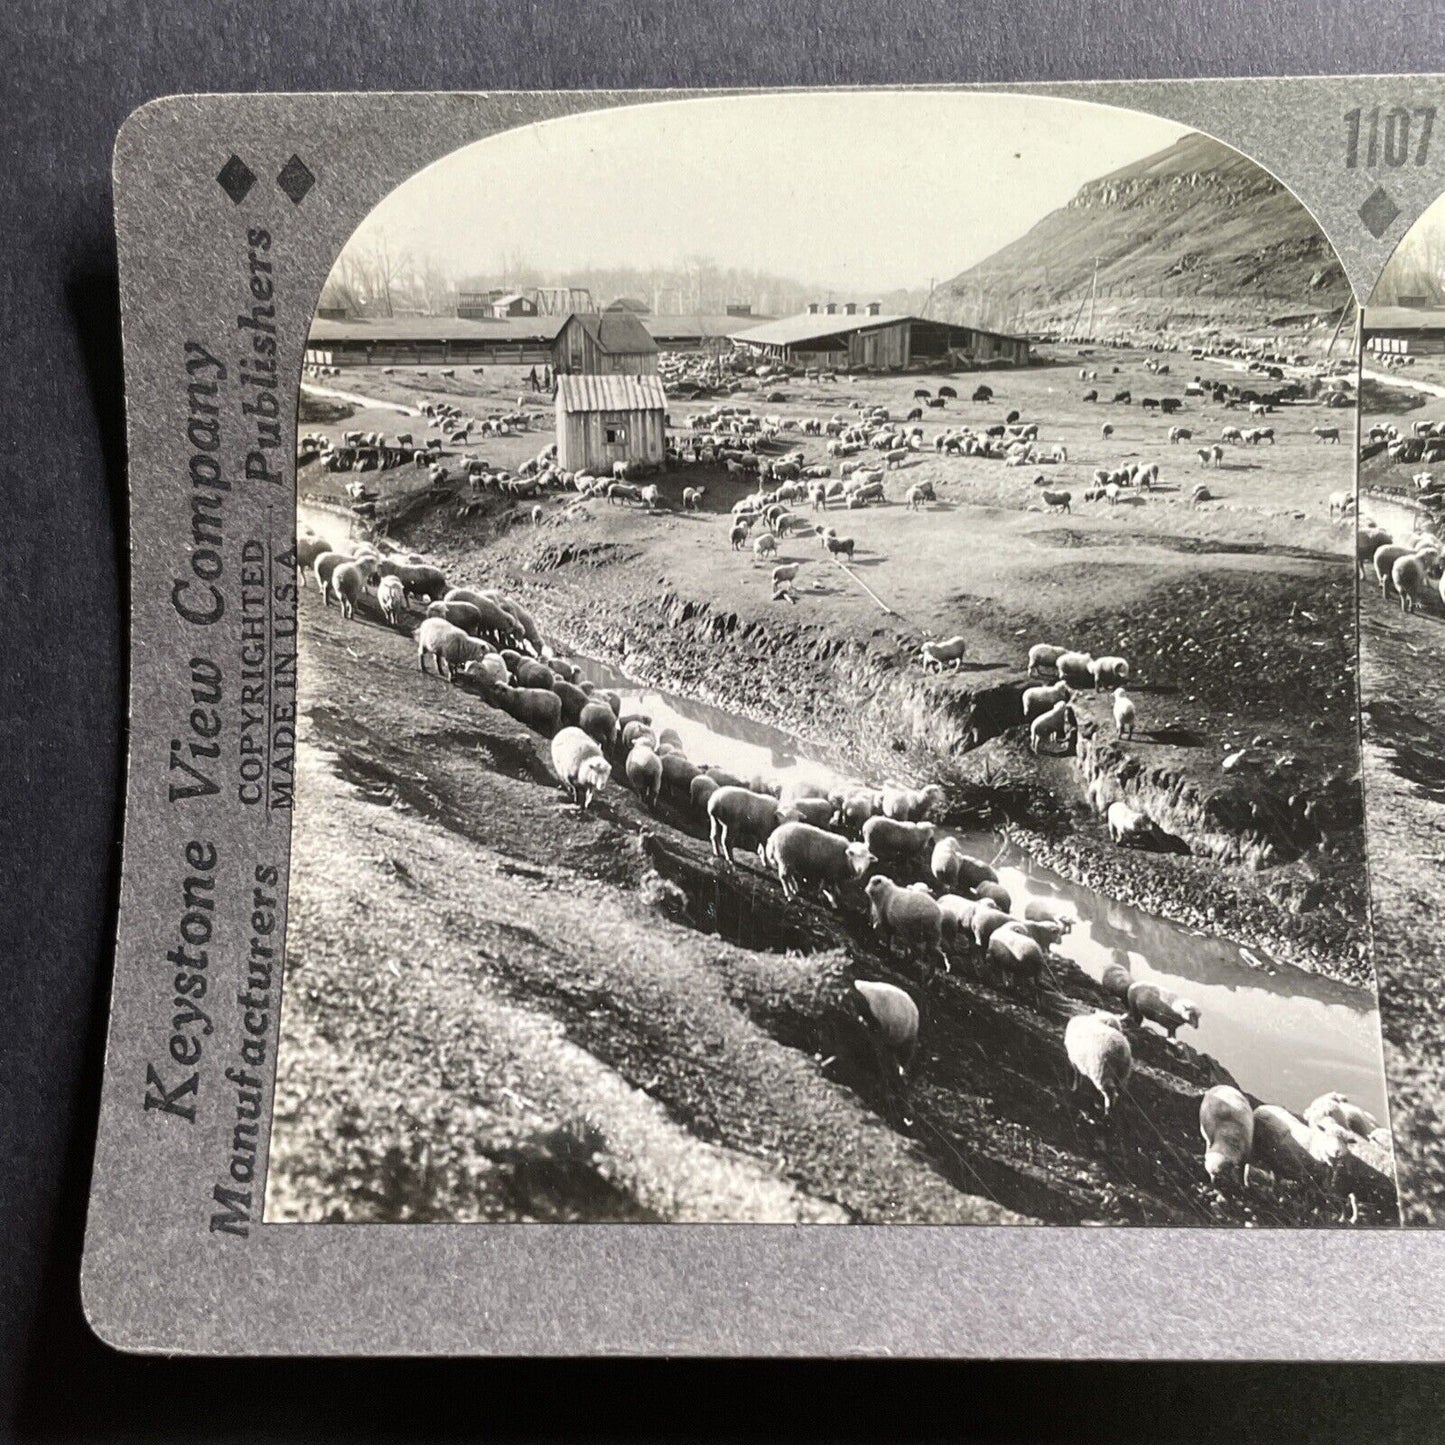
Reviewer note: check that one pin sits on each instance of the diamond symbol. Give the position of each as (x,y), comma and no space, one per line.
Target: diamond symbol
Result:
(1378,212)
(236,179)
(295,180)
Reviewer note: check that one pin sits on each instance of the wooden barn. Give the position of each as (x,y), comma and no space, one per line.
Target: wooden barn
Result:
(847,339)
(607,419)
(614,343)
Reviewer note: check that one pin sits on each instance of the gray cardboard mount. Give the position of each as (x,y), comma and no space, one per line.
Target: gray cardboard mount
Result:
(157,1276)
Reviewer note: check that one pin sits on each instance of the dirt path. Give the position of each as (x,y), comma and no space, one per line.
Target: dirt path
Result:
(498,1009)
(356,399)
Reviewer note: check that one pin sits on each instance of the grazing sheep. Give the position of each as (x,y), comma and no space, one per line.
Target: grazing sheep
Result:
(739,817)
(1161,1006)
(1046,935)
(677,772)
(573,700)
(1407,575)
(957,916)
(429,583)
(644,772)
(1368,541)
(1226,1123)
(1124,714)
(994,893)
(1074,666)
(533,674)
(635,731)
(908,916)
(580,767)
(1043,910)
(323,567)
(700,790)
(1327,433)
(739,535)
(308,549)
(1055,723)
(1128,825)
(459,614)
(449,645)
(913,805)
(948,650)
(491,668)
(1058,501)
(1017,957)
(500,624)
(810,857)
(954,868)
(1108,672)
(892,1019)
(391,598)
(988,918)
(1336,1107)
(1044,658)
(599,722)
(1040,699)
(349,581)
(1292,1149)
(1099,1053)
(1106,431)
(765,546)
(857,807)
(839,546)
(1116,979)
(892,841)
(1180,434)
(536,707)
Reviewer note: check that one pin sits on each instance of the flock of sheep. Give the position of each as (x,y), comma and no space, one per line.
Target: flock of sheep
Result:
(927,896)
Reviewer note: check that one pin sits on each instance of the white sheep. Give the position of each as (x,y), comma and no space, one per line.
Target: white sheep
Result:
(1226,1123)
(1040,699)
(1017,956)
(893,1016)
(948,650)
(580,767)
(448,644)
(1043,910)
(765,546)
(1050,725)
(811,857)
(1124,713)
(1108,672)
(644,772)
(1099,1053)
(1162,1006)
(1292,1149)
(740,816)
(893,841)
(913,805)
(1339,1109)
(1043,658)
(391,598)
(905,914)
(951,866)
(1073,665)
(1407,576)
(1128,825)
(349,581)
(490,667)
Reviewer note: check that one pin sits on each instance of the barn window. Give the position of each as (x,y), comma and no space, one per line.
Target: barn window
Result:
(616,436)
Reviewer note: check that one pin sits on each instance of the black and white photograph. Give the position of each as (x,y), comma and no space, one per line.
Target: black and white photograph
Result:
(1402,648)
(828,681)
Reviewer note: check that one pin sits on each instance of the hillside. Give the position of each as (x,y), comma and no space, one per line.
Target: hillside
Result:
(1193,236)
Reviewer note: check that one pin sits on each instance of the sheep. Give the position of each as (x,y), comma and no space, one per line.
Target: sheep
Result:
(459,614)
(1108,672)
(1327,433)
(785,574)
(765,546)
(1407,575)
(1339,1110)
(497,621)
(954,868)
(1226,1123)
(949,650)
(892,841)
(809,856)
(957,916)
(323,567)
(678,773)
(738,816)
(1058,501)
(1124,714)
(988,918)
(1043,658)
(692,498)
(308,549)
(700,790)
(839,546)
(1106,431)
(572,698)
(1161,1006)
(1128,825)
(995,893)
(1099,1053)
(599,722)
(1042,910)
(349,581)
(1046,935)
(892,1019)
(1180,434)
(739,535)
(855,809)
(491,667)
(391,597)
(537,707)
(533,674)
(451,647)
(427,582)
(1292,1149)
(1056,722)
(913,805)
(644,772)
(910,917)
(580,767)
(1017,957)
(1040,699)
(1073,665)
(634,731)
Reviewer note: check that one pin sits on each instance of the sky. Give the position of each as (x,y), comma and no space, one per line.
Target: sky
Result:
(859,190)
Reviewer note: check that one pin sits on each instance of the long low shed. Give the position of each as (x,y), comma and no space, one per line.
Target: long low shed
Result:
(841,342)
(602,420)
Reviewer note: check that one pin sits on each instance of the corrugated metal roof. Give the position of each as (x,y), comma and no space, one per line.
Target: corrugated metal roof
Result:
(438,328)
(810,327)
(611,393)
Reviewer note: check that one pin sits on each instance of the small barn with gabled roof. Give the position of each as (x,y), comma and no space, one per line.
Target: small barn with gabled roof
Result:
(614,343)
(602,420)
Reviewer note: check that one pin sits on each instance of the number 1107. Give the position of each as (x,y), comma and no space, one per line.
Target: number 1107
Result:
(1386,135)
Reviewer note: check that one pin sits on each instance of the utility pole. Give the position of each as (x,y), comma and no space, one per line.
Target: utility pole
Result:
(1093,288)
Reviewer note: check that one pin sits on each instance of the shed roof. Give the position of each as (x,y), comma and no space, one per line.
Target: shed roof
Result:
(812,326)
(611,393)
(436,328)
(619,333)
(1404,318)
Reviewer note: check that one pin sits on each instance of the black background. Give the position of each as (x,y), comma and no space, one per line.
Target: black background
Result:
(69,74)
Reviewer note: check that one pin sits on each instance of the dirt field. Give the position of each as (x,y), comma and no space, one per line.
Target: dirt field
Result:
(1236,615)
(497,1009)
(1402,659)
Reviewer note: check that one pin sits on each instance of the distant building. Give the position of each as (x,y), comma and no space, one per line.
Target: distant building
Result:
(513,303)
(331,313)
(1404,330)
(616,343)
(632,304)
(606,419)
(740,308)
(494,305)
(839,336)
